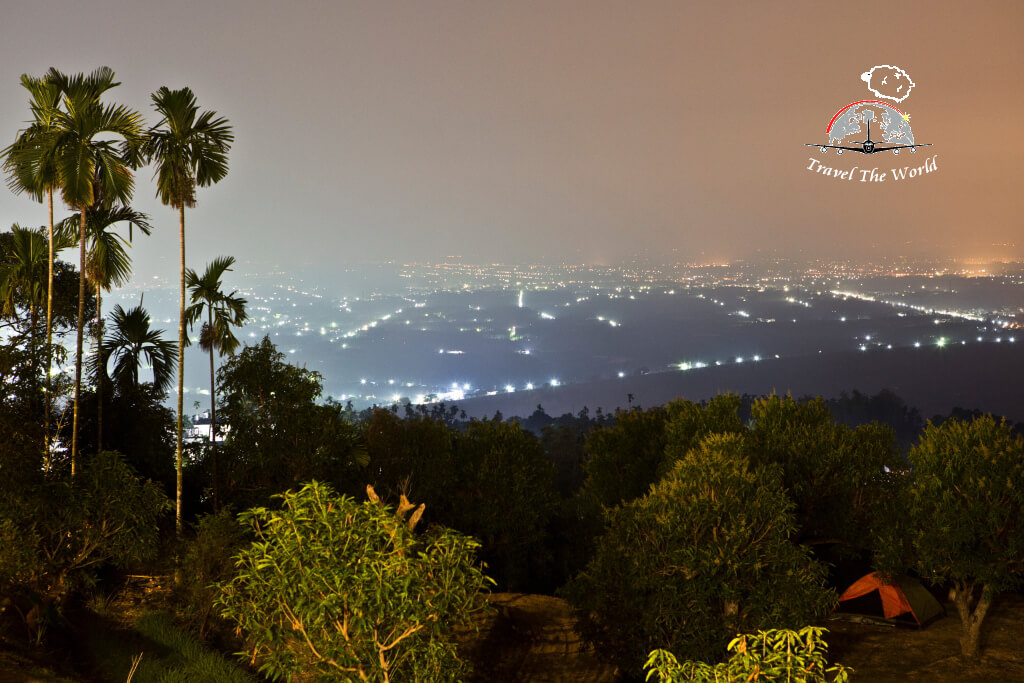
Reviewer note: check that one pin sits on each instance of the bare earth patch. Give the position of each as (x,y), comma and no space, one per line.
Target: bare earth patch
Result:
(532,638)
(883,654)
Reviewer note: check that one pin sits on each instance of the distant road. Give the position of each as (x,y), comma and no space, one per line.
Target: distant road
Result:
(989,377)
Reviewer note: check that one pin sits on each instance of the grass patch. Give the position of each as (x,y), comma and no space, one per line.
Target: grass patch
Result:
(169,654)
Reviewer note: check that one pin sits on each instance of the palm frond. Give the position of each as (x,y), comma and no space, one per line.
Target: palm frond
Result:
(131,341)
(189,148)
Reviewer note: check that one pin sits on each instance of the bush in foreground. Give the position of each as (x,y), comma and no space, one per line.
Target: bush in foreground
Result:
(55,534)
(776,655)
(344,590)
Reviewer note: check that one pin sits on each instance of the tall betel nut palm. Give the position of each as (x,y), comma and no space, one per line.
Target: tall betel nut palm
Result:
(93,148)
(222,312)
(107,265)
(190,149)
(31,168)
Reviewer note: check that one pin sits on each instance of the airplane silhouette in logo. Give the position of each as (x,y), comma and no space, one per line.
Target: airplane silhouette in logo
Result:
(868,146)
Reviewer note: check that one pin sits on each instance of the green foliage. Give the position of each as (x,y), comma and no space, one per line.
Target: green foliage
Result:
(414,456)
(279,435)
(630,456)
(504,496)
(705,553)
(61,530)
(964,507)
(207,560)
(966,500)
(137,424)
(169,654)
(224,311)
(836,475)
(491,481)
(773,655)
(332,589)
(624,459)
(132,343)
(189,147)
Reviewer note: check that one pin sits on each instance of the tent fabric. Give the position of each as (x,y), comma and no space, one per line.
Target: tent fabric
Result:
(894,602)
(904,596)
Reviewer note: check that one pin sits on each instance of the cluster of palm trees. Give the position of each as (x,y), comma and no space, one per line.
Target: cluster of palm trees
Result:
(88,152)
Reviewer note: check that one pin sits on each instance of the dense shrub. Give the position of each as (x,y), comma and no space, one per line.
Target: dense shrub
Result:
(491,481)
(57,533)
(774,655)
(207,559)
(278,435)
(625,459)
(412,456)
(704,554)
(837,475)
(504,495)
(346,591)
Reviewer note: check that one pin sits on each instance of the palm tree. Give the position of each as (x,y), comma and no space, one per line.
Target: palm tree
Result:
(222,311)
(91,169)
(31,170)
(190,149)
(107,265)
(131,342)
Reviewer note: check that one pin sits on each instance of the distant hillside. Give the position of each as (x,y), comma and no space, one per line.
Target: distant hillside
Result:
(989,377)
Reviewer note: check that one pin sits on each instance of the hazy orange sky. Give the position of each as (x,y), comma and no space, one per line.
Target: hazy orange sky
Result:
(585,131)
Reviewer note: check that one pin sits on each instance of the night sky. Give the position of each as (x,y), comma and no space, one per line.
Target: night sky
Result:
(548,131)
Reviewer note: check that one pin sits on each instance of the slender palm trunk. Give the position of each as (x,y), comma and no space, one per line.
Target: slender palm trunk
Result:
(100,375)
(181,367)
(78,347)
(33,342)
(213,417)
(49,339)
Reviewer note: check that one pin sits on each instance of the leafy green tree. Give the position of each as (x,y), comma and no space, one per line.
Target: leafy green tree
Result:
(21,402)
(837,476)
(23,276)
(964,504)
(131,342)
(564,447)
(23,286)
(190,149)
(278,435)
(773,655)
(223,311)
(414,457)
(139,426)
(706,553)
(505,496)
(625,459)
(91,168)
(339,590)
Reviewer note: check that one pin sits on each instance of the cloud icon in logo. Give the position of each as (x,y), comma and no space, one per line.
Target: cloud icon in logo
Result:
(890,82)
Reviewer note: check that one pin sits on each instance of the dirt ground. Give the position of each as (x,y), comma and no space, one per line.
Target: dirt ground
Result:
(882,654)
(530,638)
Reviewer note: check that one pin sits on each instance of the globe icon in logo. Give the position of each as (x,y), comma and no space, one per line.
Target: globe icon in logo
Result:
(867,119)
